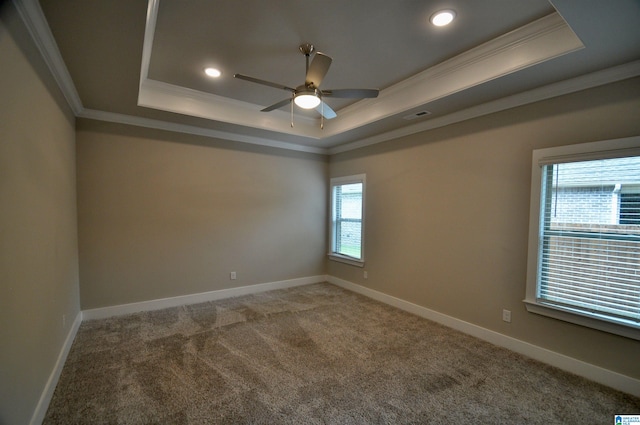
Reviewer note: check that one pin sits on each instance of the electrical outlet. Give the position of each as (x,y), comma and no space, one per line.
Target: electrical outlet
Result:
(64,321)
(506,316)
(365,274)
(233,276)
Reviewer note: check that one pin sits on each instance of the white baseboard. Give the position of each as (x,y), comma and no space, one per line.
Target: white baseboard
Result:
(119,310)
(47,393)
(595,373)
(100,313)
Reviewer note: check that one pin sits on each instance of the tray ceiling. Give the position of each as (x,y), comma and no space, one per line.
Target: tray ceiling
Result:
(142,62)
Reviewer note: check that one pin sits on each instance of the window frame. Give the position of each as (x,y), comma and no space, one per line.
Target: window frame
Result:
(616,148)
(333,255)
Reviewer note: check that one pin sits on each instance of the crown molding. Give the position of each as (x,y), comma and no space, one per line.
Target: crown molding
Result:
(584,82)
(536,42)
(186,101)
(36,23)
(149,34)
(195,130)
(168,97)
(532,40)
(595,79)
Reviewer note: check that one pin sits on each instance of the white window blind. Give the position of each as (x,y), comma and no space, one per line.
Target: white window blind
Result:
(589,240)
(347,207)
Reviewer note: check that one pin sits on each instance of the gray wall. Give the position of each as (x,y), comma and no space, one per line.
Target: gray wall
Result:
(166,214)
(38,231)
(163,214)
(447,216)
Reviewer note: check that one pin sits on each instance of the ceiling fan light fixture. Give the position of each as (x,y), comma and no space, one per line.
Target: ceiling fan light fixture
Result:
(307,100)
(213,72)
(443,17)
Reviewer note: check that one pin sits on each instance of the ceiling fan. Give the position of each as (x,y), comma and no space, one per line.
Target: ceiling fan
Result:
(309,95)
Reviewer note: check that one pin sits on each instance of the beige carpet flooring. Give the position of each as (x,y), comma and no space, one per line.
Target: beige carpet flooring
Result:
(315,354)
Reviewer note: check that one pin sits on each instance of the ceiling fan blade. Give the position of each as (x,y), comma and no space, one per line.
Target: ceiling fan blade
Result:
(318,69)
(352,93)
(326,111)
(276,105)
(264,82)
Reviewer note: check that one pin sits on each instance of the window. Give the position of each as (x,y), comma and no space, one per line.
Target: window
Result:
(347,219)
(630,207)
(584,241)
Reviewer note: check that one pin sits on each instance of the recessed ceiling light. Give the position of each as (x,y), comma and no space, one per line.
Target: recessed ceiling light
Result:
(213,72)
(442,18)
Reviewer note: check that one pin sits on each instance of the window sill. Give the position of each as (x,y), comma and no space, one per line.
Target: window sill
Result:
(346,260)
(627,329)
